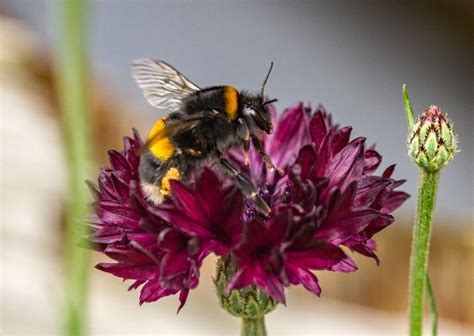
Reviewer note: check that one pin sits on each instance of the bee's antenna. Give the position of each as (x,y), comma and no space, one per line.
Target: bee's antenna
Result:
(270,101)
(265,80)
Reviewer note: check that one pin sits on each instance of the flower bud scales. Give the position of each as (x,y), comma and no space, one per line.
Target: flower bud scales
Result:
(432,143)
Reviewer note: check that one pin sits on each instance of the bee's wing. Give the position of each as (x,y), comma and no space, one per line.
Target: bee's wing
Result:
(163,86)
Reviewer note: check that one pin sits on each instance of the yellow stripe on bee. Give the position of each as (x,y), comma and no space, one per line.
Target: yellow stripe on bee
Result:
(231,101)
(162,147)
(171,174)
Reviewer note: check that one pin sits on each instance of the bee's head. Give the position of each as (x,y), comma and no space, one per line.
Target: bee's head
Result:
(255,110)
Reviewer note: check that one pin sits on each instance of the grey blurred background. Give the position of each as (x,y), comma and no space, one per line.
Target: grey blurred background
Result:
(351,56)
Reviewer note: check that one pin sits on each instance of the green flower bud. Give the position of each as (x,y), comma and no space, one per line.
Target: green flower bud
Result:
(432,143)
(249,302)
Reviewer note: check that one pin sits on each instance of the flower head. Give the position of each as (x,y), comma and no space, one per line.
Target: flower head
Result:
(432,143)
(328,198)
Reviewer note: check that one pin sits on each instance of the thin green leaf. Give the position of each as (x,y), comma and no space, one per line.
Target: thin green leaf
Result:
(408,109)
(433,309)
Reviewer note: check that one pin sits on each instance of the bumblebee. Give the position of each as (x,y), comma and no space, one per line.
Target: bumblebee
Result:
(201,126)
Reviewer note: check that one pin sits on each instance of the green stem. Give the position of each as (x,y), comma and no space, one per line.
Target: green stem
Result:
(253,327)
(420,248)
(433,309)
(74,105)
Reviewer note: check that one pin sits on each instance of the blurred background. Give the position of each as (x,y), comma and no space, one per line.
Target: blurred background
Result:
(351,56)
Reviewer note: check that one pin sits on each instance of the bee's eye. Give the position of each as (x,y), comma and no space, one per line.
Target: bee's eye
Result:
(249,110)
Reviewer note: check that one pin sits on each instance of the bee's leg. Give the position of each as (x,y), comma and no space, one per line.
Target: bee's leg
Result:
(244,133)
(245,185)
(259,147)
(246,152)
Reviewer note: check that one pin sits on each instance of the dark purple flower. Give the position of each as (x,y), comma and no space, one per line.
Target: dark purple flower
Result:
(329,197)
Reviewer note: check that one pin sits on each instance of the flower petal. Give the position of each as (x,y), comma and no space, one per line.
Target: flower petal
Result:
(347,165)
(340,139)
(298,275)
(317,128)
(394,201)
(368,189)
(152,291)
(343,228)
(346,265)
(317,257)
(365,248)
(290,134)
(139,272)
(372,160)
